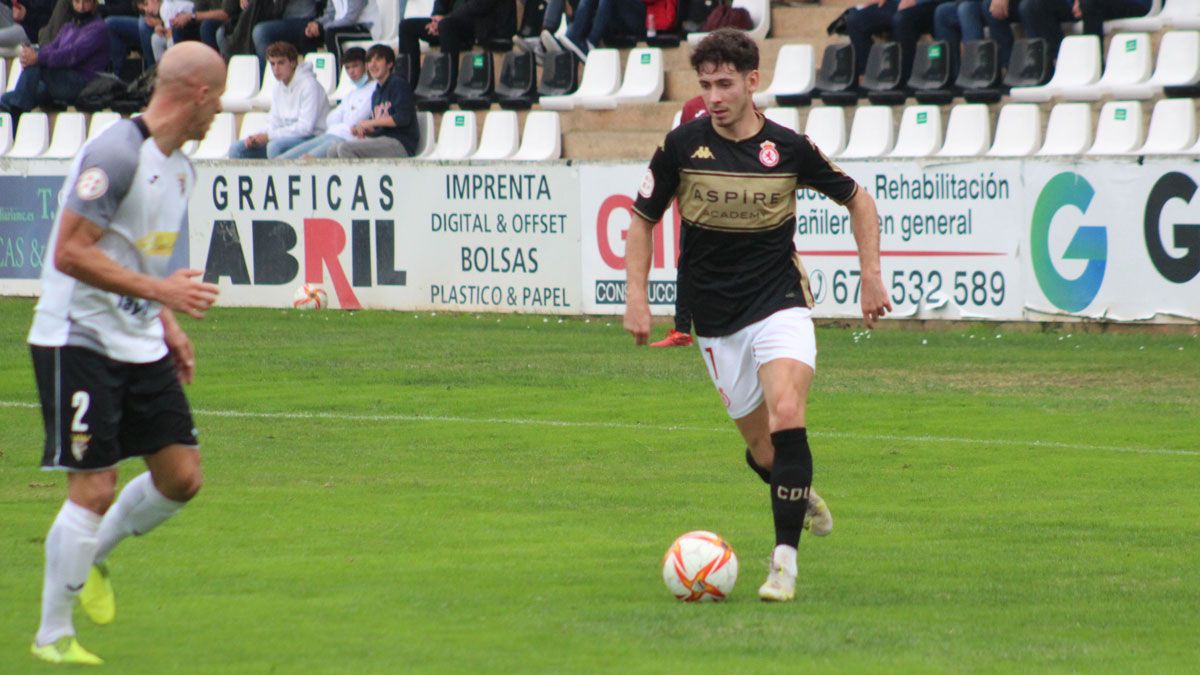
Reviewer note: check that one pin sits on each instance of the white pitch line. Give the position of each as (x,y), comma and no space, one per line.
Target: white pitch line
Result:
(896,438)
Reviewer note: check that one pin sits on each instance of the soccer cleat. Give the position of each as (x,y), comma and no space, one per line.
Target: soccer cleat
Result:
(97,597)
(65,649)
(780,585)
(674,339)
(817,519)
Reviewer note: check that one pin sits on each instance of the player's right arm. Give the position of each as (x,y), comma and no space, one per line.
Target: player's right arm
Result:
(77,255)
(639,245)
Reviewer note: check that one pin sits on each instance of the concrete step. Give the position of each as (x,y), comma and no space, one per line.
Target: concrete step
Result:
(612,145)
(645,117)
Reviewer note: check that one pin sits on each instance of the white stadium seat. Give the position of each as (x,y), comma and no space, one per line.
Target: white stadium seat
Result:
(345,85)
(324,69)
(1150,22)
(826,128)
(387,29)
(500,137)
(418,9)
(241,83)
(795,73)
(1181,14)
(1178,65)
(457,137)
(221,134)
(253,123)
(14,73)
(3,74)
(1078,66)
(6,133)
(32,137)
(968,132)
(676,119)
(1172,127)
(542,137)
(1120,129)
(871,133)
(601,78)
(101,121)
(1129,64)
(1018,131)
(788,117)
(643,82)
(425,138)
(262,100)
(1069,130)
(70,129)
(760,20)
(920,133)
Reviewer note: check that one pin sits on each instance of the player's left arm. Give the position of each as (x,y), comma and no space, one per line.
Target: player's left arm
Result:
(179,345)
(864,218)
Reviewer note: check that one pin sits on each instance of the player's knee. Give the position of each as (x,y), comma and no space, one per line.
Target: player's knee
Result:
(184,485)
(787,413)
(94,492)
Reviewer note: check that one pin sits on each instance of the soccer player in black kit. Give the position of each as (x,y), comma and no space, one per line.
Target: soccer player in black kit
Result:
(735,174)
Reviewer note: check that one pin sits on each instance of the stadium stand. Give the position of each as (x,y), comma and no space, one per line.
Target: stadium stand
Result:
(872,133)
(788,117)
(457,136)
(979,73)
(836,79)
(3,74)
(883,77)
(425,128)
(794,79)
(435,84)
(69,131)
(760,20)
(931,74)
(517,87)
(1129,63)
(220,136)
(1151,21)
(6,133)
(1018,131)
(476,85)
(1178,65)
(920,133)
(601,78)
(14,74)
(826,127)
(253,123)
(1172,127)
(1179,14)
(541,139)
(241,83)
(968,132)
(1078,67)
(101,121)
(642,82)
(500,136)
(324,69)
(32,136)
(1120,129)
(1068,131)
(262,100)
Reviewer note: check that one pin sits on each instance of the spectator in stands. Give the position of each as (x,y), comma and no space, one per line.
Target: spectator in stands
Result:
(59,70)
(200,23)
(11,32)
(1044,18)
(298,107)
(343,20)
(454,26)
(355,108)
(595,20)
(33,16)
(965,20)
(128,33)
(289,27)
(907,20)
(392,129)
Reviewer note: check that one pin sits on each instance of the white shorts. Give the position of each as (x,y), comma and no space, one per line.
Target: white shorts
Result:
(733,360)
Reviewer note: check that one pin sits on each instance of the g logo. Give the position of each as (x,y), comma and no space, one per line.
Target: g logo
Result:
(1180,270)
(1090,243)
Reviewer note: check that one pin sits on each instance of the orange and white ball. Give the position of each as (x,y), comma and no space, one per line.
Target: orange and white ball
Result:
(310,296)
(700,566)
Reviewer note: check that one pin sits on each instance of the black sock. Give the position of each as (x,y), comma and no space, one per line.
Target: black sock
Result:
(764,474)
(791,479)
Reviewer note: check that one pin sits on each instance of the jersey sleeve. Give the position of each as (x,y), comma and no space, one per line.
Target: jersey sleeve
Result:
(104,174)
(659,184)
(816,171)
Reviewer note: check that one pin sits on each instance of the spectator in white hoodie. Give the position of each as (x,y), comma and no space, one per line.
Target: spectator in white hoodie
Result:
(343,20)
(298,108)
(355,108)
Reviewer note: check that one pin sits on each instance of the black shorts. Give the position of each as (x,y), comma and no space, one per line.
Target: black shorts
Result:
(98,411)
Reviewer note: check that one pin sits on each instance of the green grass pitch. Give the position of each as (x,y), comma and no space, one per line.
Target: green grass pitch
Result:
(395,492)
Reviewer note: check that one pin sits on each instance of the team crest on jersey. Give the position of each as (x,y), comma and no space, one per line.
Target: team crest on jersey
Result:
(647,188)
(768,154)
(92,184)
(702,152)
(79,445)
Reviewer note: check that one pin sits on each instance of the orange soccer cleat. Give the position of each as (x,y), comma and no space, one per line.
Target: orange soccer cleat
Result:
(674,339)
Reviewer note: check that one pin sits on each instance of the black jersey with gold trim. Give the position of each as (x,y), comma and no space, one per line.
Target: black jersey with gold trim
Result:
(737,201)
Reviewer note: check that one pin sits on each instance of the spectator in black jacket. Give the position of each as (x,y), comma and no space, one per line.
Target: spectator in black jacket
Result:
(455,26)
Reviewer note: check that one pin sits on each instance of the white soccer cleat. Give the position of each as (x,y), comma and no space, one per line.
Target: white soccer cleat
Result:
(780,585)
(817,519)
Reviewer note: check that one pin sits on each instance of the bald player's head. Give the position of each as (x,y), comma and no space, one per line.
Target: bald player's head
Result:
(188,86)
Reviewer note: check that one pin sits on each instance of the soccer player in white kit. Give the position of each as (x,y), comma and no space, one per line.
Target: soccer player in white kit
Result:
(108,353)
(735,175)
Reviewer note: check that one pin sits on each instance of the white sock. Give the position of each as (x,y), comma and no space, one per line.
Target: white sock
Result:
(70,548)
(139,509)
(785,557)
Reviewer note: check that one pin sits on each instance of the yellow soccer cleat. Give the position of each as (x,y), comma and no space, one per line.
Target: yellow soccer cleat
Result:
(780,585)
(97,597)
(65,649)
(817,519)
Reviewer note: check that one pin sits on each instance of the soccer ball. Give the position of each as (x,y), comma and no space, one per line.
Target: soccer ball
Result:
(700,567)
(310,296)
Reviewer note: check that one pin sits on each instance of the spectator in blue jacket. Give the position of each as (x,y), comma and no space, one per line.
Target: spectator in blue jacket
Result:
(59,70)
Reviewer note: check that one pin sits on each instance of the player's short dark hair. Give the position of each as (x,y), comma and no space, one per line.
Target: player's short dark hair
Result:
(726,45)
(354,54)
(284,50)
(381,52)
